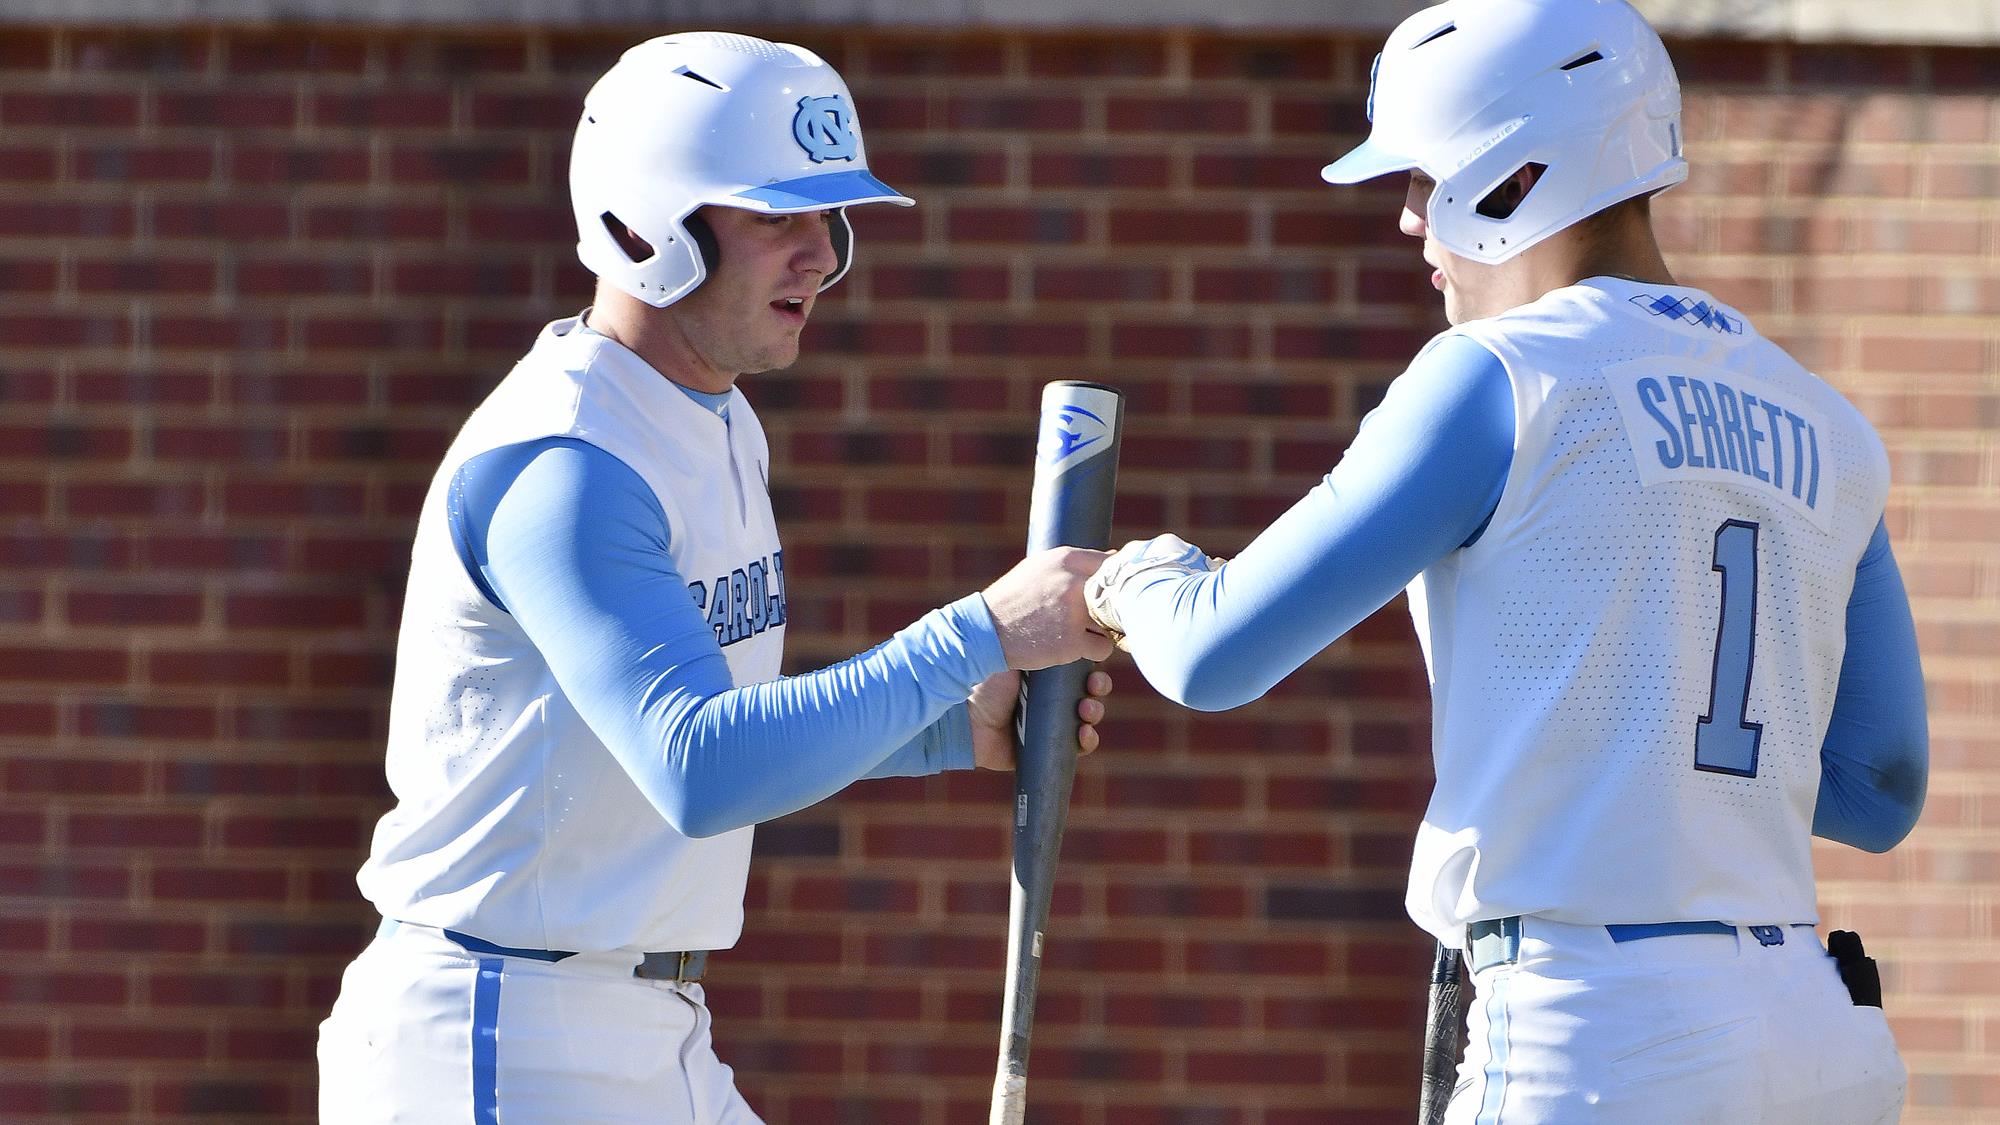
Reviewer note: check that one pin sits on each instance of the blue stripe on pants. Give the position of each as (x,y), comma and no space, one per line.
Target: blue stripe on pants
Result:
(486,1043)
(1496,1053)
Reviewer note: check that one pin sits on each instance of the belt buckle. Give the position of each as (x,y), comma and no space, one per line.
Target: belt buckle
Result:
(686,966)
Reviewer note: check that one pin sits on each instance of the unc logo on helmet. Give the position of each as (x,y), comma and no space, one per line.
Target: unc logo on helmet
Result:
(824,127)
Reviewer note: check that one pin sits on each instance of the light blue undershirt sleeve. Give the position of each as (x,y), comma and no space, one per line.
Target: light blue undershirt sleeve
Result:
(1420,481)
(571,542)
(1875,761)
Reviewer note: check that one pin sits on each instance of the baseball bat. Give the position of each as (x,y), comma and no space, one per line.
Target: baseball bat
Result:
(1076,474)
(1444,1016)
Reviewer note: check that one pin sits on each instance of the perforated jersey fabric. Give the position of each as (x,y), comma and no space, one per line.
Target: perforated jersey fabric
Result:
(1577,645)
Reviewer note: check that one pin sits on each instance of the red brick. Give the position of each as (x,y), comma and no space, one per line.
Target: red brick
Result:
(1342,122)
(938,283)
(25,164)
(485,278)
(406,108)
(1265,285)
(352,554)
(1179,116)
(307,723)
(472,54)
(315,51)
(318,610)
(1000,111)
(934,56)
(856,449)
(21,1041)
(211,552)
(232,109)
(958,392)
(1048,225)
(165,499)
(161,722)
(153,1042)
(1040,339)
(924,952)
(255,164)
(26,49)
(31,277)
(150,274)
(293,831)
(1849,69)
(907,169)
(885,841)
(540,109)
(299,388)
(364,222)
(1263,60)
(229,667)
(1102,283)
(1266,173)
(1097,57)
(44,218)
(64,882)
(70,109)
(63,441)
(1118,170)
(143,387)
(235,220)
(1180,340)
(1275,1068)
(133,607)
(66,330)
(460,163)
(913,505)
(1179,227)
(876,336)
(44,664)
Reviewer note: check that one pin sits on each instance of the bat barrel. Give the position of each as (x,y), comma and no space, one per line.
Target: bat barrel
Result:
(1076,471)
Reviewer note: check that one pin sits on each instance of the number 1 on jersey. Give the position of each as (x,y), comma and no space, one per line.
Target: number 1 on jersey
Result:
(1725,740)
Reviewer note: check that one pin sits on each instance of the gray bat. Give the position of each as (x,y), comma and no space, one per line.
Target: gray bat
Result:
(1076,475)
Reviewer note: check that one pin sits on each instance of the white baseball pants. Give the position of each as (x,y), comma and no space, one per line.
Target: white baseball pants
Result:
(425,1032)
(1674,1030)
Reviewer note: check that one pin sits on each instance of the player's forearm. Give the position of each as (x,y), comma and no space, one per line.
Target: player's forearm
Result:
(1220,640)
(741,756)
(1418,482)
(1875,761)
(574,545)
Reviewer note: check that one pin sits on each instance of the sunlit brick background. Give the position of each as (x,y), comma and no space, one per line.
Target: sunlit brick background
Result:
(250,281)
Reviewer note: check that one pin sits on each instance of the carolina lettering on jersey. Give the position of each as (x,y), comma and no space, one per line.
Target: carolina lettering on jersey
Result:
(1689,421)
(746,601)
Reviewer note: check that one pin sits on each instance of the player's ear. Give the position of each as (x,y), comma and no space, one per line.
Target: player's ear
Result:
(1507,195)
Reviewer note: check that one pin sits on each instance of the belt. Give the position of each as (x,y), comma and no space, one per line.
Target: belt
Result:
(1497,941)
(682,966)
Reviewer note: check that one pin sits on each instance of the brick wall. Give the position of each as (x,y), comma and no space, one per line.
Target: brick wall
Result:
(252,280)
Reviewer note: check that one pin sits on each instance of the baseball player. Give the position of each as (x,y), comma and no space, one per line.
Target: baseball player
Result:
(588,716)
(1645,553)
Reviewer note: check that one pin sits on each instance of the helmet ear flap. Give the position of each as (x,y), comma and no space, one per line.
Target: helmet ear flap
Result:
(842,234)
(703,237)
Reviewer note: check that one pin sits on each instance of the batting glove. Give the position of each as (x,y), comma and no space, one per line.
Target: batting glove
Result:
(1134,566)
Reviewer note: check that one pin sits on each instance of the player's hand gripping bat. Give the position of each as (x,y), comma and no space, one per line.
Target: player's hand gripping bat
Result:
(1076,474)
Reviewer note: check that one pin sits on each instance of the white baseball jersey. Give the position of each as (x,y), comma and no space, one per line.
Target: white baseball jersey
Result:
(513,822)
(1634,665)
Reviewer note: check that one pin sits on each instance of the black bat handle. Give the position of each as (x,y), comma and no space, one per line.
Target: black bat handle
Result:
(1443,1020)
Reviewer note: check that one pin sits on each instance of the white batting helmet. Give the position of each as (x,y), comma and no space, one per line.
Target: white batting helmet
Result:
(711,118)
(1470,91)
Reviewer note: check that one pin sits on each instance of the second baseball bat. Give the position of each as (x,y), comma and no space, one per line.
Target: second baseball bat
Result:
(1076,476)
(1444,1026)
